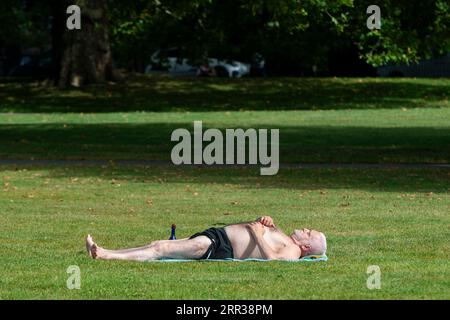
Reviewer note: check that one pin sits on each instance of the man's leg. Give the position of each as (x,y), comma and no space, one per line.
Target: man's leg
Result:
(169,249)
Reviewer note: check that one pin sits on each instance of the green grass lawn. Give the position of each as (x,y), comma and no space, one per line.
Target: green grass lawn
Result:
(320,120)
(396,219)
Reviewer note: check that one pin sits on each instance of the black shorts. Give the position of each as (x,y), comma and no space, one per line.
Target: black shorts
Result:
(220,248)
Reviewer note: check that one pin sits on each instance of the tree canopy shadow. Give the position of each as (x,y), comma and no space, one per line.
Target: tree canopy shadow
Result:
(191,94)
(151,141)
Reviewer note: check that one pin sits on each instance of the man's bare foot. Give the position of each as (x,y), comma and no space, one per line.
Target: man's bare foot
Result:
(91,247)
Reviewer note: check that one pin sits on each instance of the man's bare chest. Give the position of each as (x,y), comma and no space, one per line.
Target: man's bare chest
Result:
(275,238)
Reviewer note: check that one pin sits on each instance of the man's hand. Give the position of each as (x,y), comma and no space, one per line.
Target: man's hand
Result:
(266,221)
(257,228)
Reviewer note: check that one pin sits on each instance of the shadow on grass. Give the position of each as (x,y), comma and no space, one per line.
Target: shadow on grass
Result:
(435,181)
(188,94)
(311,144)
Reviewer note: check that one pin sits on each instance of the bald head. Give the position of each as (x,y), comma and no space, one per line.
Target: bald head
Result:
(311,242)
(318,243)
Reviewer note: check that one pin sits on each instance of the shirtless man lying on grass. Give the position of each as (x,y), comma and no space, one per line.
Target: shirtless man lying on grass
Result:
(259,239)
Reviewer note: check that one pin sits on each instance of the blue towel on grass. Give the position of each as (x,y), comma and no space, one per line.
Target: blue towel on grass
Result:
(313,258)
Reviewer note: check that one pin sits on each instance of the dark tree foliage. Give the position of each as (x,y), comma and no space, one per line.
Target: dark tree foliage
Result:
(295,36)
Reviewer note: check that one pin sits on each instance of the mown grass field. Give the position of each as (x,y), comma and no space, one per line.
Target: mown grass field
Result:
(397,219)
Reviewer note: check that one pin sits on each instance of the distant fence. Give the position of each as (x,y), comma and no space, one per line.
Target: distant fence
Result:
(432,68)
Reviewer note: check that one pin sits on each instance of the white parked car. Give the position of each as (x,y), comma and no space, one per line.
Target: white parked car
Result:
(170,62)
(229,68)
(179,66)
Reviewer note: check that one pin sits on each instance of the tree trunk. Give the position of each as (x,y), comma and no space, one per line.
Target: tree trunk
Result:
(57,11)
(86,54)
